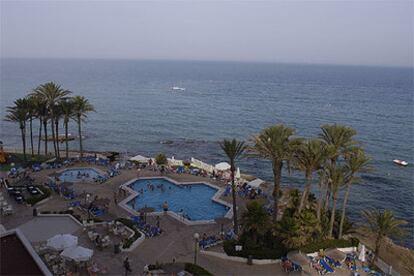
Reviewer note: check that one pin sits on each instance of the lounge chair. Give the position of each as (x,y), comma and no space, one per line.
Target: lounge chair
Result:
(326,266)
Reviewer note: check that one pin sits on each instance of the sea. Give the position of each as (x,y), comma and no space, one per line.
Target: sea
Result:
(137,112)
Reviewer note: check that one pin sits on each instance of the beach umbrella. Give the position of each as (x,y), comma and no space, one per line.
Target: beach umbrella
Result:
(298,257)
(139,158)
(238,175)
(335,254)
(361,256)
(223,166)
(62,241)
(77,253)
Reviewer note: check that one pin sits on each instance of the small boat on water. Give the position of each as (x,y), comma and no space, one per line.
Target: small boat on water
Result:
(400,162)
(176,88)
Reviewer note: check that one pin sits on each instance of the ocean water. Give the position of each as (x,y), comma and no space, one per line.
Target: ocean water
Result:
(136,110)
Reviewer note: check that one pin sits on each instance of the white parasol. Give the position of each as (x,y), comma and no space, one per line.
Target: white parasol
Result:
(77,253)
(62,241)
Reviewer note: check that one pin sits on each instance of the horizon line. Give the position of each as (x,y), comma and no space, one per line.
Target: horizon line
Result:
(212,61)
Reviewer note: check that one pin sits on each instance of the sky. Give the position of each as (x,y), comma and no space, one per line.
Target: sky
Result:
(365,32)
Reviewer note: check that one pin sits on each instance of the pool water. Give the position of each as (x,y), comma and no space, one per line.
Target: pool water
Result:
(80,174)
(194,200)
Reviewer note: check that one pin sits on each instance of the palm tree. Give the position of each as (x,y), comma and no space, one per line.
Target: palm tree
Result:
(309,157)
(31,112)
(383,224)
(52,94)
(19,114)
(255,220)
(41,113)
(67,107)
(323,189)
(81,108)
(275,143)
(339,139)
(233,150)
(335,176)
(356,161)
(57,113)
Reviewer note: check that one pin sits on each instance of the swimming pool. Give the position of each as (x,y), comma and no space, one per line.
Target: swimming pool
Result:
(194,200)
(79,174)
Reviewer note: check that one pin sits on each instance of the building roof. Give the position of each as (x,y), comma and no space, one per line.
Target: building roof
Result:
(18,256)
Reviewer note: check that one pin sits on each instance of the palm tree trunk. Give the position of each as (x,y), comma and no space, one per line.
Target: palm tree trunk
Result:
(23,133)
(45,129)
(277,171)
(305,191)
(332,221)
(378,242)
(40,136)
(233,193)
(66,139)
(57,137)
(327,198)
(31,135)
(320,201)
(80,136)
(52,124)
(341,224)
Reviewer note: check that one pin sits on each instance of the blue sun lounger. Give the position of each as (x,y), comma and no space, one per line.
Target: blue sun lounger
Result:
(326,266)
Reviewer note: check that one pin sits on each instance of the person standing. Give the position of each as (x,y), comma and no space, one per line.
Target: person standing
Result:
(127,266)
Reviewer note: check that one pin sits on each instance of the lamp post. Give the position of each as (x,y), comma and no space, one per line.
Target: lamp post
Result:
(196,238)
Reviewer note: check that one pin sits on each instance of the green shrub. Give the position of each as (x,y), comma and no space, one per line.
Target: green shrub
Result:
(45,193)
(196,270)
(258,252)
(127,222)
(325,244)
(161,159)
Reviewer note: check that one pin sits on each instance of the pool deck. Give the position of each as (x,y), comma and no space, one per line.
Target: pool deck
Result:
(216,197)
(176,242)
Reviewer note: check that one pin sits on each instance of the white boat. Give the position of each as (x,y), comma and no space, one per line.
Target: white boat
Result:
(178,88)
(400,162)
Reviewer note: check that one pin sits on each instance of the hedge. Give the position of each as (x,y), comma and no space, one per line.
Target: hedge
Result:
(128,242)
(45,193)
(325,244)
(257,253)
(196,270)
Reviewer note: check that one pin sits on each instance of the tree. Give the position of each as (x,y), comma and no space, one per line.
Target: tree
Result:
(161,159)
(339,139)
(52,94)
(31,112)
(275,143)
(81,108)
(383,224)
(41,113)
(309,157)
(67,106)
(19,114)
(233,149)
(298,230)
(356,161)
(255,220)
(335,175)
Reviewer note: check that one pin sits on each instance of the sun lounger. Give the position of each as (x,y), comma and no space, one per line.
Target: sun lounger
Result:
(332,261)
(325,266)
